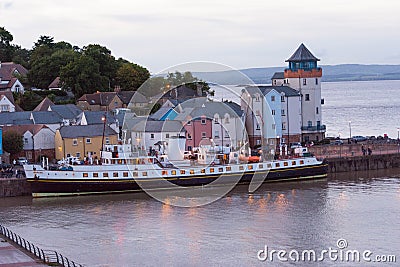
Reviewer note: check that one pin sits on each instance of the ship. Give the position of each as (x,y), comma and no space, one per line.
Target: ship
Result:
(120,170)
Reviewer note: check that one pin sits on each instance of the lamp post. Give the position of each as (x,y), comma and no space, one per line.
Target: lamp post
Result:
(350,128)
(104,119)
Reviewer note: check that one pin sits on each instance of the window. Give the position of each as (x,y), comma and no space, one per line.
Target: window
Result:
(258,127)
(188,123)
(115,174)
(272,98)
(144,173)
(211,170)
(220,169)
(203,121)
(107,140)
(5,107)
(75,142)
(316,81)
(216,134)
(273,126)
(307,97)
(203,170)
(293,162)
(309,123)
(286,164)
(260,166)
(282,98)
(25,140)
(173,172)
(273,112)
(189,136)
(78,154)
(258,142)
(317,110)
(152,136)
(241,168)
(88,140)
(191,172)
(95,174)
(257,98)
(116,103)
(283,125)
(105,174)
(304,81)
(277,165)
(216,120)
(227,120)
(183,172)
(166,135)
(228,168)
(85,174)
(283,112)
(203,135)
(250,167)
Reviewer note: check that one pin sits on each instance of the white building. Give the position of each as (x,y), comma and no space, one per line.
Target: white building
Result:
(304,75)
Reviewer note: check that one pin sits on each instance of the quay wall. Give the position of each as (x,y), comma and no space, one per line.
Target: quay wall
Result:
(363,163)
(12,187)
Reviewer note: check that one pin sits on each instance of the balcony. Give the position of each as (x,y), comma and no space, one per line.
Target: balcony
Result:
(320,128)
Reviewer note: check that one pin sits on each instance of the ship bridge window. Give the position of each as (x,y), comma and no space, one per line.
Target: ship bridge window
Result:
(105,174)
(228,168)
(182,171)
(125,174)
(293,162)
(203,171)
(135,174)
(164,173)
(269,165)
(221,169)
(301,162)
(95,174)
(250,167)
(173,172)
(144,173)
(241,168)
(85,174)
(286,163)
(260,166)
(277,165)
(115,174)
(211,170)
(191,172)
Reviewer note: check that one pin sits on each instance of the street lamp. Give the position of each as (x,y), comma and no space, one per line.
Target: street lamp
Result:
(350,128)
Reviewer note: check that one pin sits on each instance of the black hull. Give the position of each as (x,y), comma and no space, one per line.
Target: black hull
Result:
(44,187)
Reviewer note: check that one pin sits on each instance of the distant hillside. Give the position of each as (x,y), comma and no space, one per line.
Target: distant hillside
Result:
(343,72)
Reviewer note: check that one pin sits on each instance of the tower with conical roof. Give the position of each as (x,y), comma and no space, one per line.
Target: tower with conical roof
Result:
(304,75)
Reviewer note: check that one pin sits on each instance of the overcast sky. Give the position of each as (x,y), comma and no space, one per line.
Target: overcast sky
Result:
(241,34)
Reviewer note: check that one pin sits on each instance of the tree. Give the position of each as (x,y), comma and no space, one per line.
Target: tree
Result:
(82,76)
(12,142)
(131,76)
(27,101)
(6,49)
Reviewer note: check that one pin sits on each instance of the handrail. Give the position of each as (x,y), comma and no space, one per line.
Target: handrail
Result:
(47,256)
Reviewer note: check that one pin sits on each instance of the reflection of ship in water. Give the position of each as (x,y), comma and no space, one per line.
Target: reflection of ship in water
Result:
(121,170)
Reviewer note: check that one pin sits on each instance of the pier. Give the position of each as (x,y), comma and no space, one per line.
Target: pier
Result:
(16,251)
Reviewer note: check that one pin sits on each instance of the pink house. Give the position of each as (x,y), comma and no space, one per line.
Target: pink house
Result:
(198,131)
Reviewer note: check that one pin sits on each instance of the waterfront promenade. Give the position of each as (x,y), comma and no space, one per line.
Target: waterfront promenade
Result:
(12,256)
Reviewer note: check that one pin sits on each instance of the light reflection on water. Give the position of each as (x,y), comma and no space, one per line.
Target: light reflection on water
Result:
(132,230)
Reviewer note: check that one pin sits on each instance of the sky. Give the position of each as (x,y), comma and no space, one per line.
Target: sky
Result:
(158,34)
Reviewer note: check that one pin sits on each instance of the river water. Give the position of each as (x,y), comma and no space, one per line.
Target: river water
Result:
(134,230)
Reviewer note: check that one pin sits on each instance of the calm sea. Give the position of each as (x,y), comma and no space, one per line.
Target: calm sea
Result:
(372,107)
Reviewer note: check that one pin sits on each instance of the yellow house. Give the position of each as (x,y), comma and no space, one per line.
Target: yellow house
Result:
(83,140)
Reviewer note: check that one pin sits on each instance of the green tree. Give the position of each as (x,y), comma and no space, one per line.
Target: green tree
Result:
(131,76)
(12,142)
(102,56)
(6,49)
(27,101)
(82,76)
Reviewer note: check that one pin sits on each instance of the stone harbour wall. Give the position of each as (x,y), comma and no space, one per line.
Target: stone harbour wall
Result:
(12,187)
(363,163)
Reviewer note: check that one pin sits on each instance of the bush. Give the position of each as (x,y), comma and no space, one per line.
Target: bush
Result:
(48,92)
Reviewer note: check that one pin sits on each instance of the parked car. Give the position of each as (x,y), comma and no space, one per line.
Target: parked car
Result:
(295,145)
(338,142)
(359,138)
(70,160)
(22,161)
